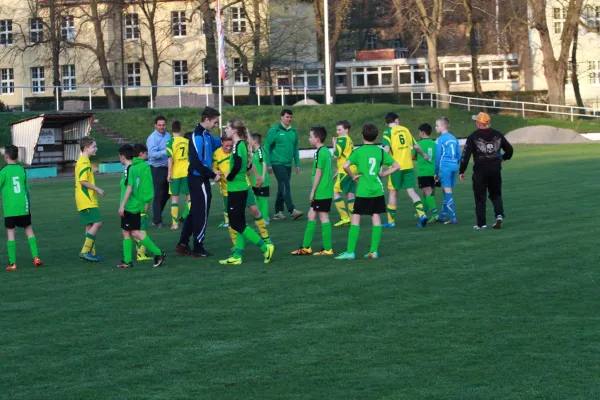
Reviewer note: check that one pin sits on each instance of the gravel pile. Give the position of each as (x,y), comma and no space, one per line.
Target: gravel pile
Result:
(545,135)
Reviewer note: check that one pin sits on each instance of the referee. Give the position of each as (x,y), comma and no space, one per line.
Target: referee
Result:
(485,145)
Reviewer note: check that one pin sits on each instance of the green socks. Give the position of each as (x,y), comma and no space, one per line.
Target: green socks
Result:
(431,206)
(353,238)
(151,246)
(12,251)
(33,246)
(263,206)
(186,211)
(251,236)
(127,249)
(240,245)
(375,239)
(326,231)
(311,226)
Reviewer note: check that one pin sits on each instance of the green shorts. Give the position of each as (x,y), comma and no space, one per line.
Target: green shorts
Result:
(404,179)
(251,201)
(344,184)
(179,186)
(90,216)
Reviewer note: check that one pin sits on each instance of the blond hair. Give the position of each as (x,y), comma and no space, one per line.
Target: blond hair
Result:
(85,142)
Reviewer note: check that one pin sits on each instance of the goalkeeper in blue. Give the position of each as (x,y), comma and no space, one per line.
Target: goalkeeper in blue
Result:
(447,158)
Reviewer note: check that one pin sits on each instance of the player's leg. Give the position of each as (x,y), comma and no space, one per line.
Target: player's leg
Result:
(448,181)
(339,202)
(362,206)
(280,176)
(140,248)
(127,249)
(188,205)
(375,237)
(32,240)
(11,244)
(93,222)
(495,190)
(174,212)
(287,195)
(430,203)
(350,196)
(407,181)
(263,206)
(394,183)
(326,234)
(159,255)
(479,192)
(259,221)
(311,226)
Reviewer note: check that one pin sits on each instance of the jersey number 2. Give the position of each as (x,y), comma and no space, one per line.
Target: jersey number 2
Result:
(16,185)
(373,164)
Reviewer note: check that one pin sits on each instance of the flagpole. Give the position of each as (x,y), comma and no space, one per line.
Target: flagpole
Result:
(219,44)
(326,45)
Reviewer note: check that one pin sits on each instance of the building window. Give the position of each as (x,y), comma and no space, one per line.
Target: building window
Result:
(238,74)
(6,32)
(594,70)
(132,26)
(67,28)
(283,78)
(499,70)
(36,30)
(371,77)
(310,78)
(180,73)
(371,41)
(559,14)
(341,78)
(238,19)
(68,78)
(7,80)
(206,73)
(413,74)
(38,82)
(178,23)
(591,15)
(134,79)
(457,72)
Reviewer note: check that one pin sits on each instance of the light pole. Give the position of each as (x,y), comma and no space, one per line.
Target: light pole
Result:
(326,50)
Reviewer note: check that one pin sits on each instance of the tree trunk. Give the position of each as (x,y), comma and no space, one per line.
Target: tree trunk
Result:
(471,36)
(109,91)
(270,83)
(212,64)
(440,84)
(55,50)
(574,77)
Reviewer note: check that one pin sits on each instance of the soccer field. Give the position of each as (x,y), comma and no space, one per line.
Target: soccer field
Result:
(445,313)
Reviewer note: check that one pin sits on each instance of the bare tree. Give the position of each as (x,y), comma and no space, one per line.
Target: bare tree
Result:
(473,47)
(208,16)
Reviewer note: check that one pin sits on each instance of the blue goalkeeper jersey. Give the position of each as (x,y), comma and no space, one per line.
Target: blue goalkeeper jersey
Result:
(447,152)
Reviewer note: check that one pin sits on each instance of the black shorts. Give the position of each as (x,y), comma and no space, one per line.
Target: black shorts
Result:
(131,221)
(21,221)
(369,205)
(261,191)
(426,182)
(323,205)
(236,210)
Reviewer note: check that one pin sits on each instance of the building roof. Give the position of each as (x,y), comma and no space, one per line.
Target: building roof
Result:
(62,118)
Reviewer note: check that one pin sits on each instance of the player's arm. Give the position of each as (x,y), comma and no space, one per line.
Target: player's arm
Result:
(297,155)
(154,152)
(336,153)
(92,187)
(170,166)
(236,168)
(466,156)
(318,176)
(386,141)
(419,150)
(393,168)
(508,149)
(125,199)
(438,158)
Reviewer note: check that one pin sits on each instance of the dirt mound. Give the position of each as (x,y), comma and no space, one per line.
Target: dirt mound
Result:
(309,102)
(545,135)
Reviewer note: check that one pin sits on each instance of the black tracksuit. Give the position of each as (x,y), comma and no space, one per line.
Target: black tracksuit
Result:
(485,146)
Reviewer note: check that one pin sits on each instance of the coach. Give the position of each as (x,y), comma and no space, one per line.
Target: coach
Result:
(202,146)
(158,161)
(485,145)
(281,146)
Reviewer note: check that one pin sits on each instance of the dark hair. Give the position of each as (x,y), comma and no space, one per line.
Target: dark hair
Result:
(188,135)
(176,126)
(159,118)
(425,128)
(344,123)
(391,117)
(370,132)
(208,113)
(12,152)
(286,111)
(319,132)
(85,142)
(257,137)
(126,151)
(138,149)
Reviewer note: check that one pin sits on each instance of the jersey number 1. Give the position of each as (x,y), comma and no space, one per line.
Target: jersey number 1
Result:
(16,185)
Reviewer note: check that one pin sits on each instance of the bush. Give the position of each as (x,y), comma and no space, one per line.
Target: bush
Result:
(98,102)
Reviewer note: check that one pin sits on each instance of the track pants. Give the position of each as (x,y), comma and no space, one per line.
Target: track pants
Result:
(197,220)
(485,182)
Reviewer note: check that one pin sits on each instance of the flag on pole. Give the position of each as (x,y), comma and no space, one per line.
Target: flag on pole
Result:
(221,35)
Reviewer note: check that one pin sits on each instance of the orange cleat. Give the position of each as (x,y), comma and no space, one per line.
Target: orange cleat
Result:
(37,262)
(12,267)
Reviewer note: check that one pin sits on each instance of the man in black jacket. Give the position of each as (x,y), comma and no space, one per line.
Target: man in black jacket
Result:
(485,145)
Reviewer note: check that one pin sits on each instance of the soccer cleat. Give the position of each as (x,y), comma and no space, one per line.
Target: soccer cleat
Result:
(451,222)
(278,216)
(11,267)
(98,258)
(231,261)
(374,255)
(296,214)
(159,260)
(143,257)
(174,227)
(89,257)
(302,251)
(181,219)
(123,264)
(389,225)
(343,222)
(200,253)
(324,252)
(37,262)
(182,249)
(498,223)
(478,228)
(269,253)
(422,221)
(434,218)
(442,219)
(345,256)
(223,225)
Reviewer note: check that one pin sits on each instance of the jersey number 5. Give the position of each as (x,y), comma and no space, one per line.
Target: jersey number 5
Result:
(16,185)
(373,164)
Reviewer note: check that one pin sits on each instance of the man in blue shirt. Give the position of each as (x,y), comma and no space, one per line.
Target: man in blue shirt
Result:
(202,146)
(447,158)
(158,161)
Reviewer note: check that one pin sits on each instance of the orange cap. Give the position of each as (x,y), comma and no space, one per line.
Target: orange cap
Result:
(482,118)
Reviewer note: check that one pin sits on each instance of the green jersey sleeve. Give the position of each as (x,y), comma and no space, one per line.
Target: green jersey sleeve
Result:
(353,157)
(170,148)
(387,159)
(387,137)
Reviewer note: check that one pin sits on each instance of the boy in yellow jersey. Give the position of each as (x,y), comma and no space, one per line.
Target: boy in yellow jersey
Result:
(177,150)
(221,158)
(86,198)
(399,143)
(342,148)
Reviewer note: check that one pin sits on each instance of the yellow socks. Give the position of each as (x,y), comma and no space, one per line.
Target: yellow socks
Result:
(262,227)
(391,214)
(340,205)
(88,245)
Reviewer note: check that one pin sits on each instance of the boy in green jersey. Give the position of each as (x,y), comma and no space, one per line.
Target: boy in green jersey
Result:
(369,160)
(426,169)
(131,208)
(262,190)
(16,204)
(140,156)
(321,196)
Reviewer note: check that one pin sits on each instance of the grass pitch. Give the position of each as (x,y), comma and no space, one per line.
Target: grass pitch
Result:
(446,313)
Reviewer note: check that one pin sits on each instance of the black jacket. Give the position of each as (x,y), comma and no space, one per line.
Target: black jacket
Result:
(485,145)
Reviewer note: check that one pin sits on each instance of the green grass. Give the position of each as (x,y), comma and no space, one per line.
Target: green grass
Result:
(446,313)
(138,124)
